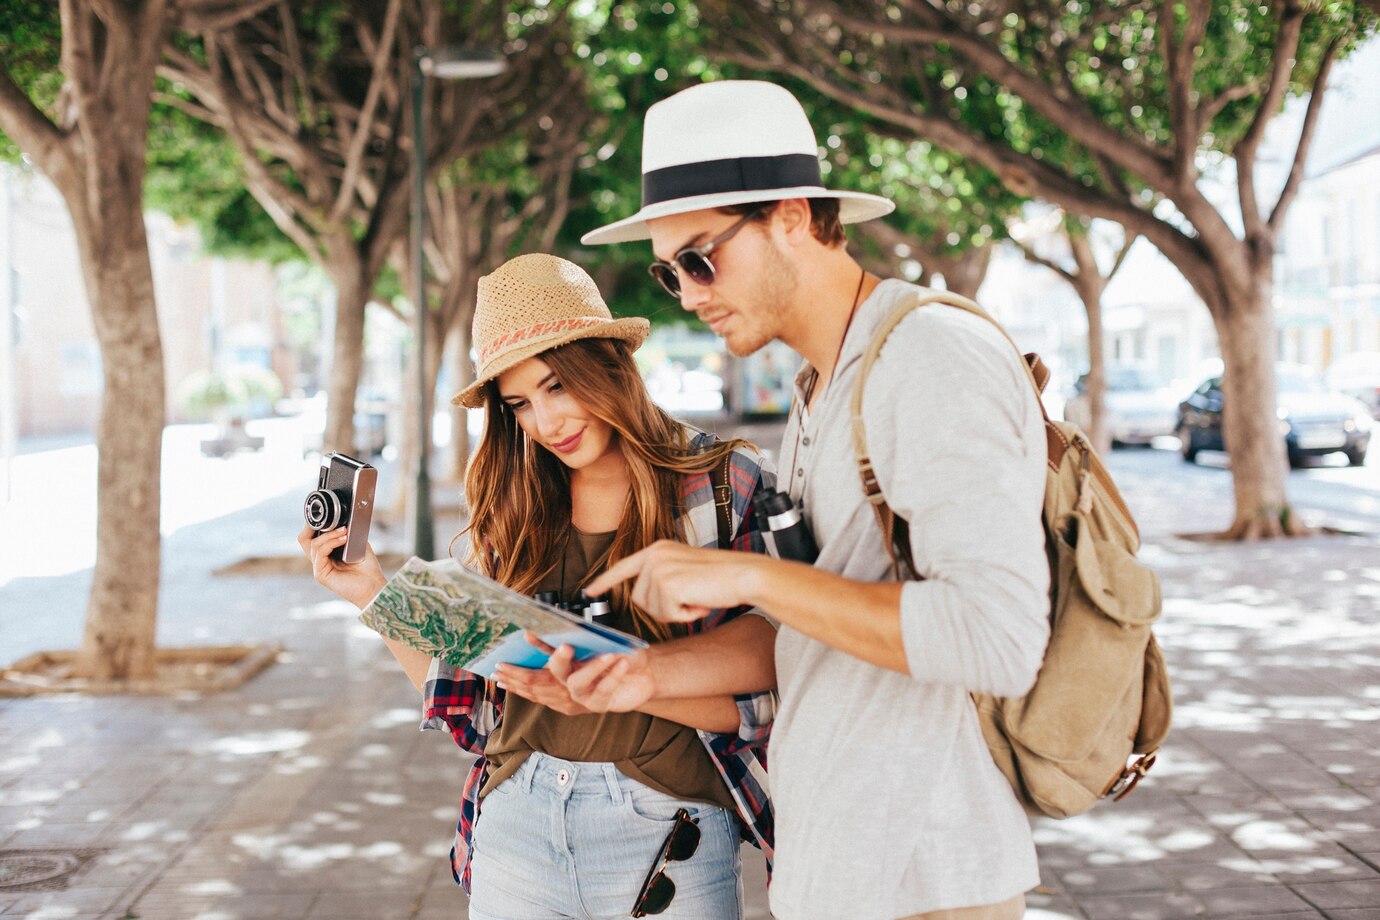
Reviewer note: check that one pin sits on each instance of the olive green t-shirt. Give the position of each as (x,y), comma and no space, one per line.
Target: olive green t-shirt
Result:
(664,755)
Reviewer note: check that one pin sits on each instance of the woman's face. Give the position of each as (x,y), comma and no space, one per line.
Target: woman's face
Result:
(551,416)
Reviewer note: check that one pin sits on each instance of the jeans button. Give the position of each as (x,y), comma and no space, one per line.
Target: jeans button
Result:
(563,777)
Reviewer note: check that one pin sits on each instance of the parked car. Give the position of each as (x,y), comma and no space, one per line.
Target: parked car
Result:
(1138,408)
(1313,418)
(1358,375)
(372,411)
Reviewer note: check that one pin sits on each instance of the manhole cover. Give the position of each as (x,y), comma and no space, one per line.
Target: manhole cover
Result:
(31,868)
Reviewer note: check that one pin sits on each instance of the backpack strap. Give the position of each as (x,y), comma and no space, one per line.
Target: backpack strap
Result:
(898,543)
(723,500)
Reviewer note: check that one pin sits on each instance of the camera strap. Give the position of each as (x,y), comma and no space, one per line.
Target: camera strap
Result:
(723,500)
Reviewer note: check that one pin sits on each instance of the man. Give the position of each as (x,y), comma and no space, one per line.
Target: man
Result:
(888,803)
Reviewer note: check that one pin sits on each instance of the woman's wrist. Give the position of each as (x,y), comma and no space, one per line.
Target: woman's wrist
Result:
(362,600)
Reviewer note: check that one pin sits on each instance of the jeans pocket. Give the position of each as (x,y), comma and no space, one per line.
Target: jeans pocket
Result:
(660,808)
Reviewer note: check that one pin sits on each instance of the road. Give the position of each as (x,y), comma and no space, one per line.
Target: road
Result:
(1328,494)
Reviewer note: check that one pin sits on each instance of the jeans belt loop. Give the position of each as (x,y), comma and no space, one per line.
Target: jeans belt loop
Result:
(612,777)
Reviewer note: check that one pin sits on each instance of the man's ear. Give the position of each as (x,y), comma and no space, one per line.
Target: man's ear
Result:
(793,216)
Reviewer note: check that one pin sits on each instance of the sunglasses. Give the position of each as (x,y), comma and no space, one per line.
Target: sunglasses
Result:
(694,260)
(658,890)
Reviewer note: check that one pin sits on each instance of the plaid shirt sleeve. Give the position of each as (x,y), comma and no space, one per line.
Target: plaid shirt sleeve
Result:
(740,758)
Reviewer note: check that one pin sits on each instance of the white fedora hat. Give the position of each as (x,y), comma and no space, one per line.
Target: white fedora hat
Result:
(729,142)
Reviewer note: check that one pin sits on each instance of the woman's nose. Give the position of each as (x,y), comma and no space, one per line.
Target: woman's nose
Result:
(549,418)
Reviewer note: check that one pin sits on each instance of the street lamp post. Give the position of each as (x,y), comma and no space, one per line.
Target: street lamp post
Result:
(444,64)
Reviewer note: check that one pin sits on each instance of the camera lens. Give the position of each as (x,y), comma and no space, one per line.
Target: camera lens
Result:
(322,510)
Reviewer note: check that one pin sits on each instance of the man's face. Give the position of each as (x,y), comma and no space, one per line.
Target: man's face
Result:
(753,279)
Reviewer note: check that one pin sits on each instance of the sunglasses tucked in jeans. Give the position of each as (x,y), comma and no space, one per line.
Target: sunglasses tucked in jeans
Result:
(560,839)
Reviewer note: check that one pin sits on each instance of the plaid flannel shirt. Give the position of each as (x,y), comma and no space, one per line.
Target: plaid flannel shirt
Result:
(470,708)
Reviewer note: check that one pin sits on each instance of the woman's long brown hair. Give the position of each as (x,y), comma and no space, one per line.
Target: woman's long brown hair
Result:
(519,492)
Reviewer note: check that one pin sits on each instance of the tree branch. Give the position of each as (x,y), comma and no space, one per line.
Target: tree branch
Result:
(1286,47)
(1310,124)
(32,131)
(1179,57)
(379,73)
(1070,115)
(216,15)
(1128,242)
(1032,256)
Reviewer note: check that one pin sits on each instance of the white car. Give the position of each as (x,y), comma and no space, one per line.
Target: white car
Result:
(1138,407)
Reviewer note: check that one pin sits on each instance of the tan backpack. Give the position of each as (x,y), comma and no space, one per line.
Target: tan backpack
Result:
(1101,706)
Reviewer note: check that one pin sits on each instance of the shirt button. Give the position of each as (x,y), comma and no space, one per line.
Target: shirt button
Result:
(563,777)
(805,441)
(800,472)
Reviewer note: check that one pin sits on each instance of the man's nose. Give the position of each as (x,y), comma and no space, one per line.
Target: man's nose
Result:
(693,295)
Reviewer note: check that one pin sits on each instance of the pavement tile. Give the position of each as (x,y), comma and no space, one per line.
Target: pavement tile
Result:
(1161,906)
(1251,902)
(340,905)
(240,907)
(1115,880)
(1352,894)
(66,903)
(1241,872)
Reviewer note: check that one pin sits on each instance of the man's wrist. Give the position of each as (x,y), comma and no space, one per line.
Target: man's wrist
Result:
(655,655)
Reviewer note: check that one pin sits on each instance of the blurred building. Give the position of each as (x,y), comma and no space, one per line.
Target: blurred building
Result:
(1327,294)
(214,314)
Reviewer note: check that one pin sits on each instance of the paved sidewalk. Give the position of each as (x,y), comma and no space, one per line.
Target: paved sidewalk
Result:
(307,793)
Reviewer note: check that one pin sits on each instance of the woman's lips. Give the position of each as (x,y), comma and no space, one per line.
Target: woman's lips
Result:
(568,444)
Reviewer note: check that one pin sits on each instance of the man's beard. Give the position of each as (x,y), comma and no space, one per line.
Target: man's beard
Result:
(775,289)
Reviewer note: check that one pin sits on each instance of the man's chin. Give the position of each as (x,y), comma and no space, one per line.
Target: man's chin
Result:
(742,346)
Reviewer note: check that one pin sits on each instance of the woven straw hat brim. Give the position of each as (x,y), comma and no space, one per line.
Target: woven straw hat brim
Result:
(632,330)
(854,208)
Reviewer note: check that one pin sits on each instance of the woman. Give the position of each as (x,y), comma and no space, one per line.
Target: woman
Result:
(582,811)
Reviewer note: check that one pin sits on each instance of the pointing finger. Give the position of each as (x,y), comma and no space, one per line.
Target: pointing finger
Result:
(622,570)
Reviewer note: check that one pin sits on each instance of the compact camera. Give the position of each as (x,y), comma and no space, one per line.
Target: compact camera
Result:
(344,496)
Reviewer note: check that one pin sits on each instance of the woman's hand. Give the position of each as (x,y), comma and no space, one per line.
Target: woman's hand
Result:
(606,683)
(540,685)
(356,582)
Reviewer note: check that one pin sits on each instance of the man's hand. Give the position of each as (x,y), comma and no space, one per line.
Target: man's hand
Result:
(609,683)
(540,685)
(678,584)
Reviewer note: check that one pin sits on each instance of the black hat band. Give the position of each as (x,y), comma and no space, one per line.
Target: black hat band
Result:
(741,174)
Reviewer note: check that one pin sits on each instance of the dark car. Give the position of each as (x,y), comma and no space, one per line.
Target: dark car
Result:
(1313,419)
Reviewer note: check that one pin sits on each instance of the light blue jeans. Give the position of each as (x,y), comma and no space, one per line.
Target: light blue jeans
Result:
(575,840)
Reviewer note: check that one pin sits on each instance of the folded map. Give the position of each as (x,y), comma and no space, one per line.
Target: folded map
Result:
(449,612)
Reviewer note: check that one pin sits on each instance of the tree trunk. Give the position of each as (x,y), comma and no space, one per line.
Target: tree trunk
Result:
(1096,385)
(1246,331)
(122,615)
(1090,284)
(965,273)
(346,272)
(403,506)
(460,446)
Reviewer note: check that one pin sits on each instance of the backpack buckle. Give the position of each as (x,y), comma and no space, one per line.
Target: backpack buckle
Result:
(872,490)
(1130,776)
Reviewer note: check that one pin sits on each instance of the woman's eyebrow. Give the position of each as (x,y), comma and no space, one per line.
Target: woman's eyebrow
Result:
(508,397)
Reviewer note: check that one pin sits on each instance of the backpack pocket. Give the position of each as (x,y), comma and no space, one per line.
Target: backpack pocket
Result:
(1087,700)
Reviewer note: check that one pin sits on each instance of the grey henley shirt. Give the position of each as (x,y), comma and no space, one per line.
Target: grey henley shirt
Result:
(887,800)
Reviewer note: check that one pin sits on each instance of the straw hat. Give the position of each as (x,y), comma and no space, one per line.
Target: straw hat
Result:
(532,304)
(729,142)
